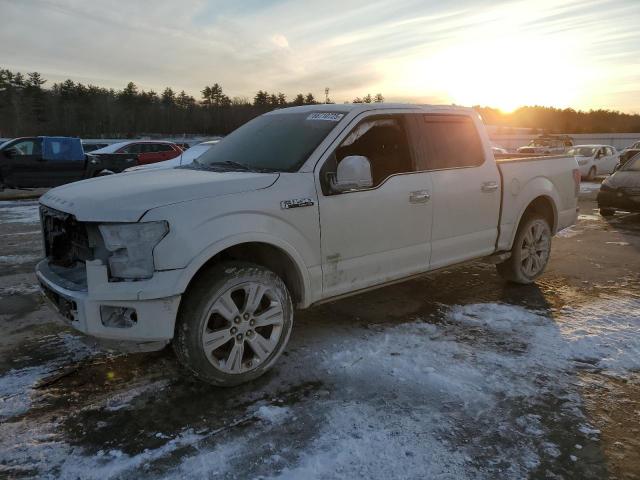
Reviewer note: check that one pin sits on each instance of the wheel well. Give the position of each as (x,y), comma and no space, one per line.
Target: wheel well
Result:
(542,206)
(266,255)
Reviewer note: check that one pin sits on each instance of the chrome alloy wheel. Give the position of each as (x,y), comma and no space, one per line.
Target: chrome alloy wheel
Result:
(536,245)
(242,328)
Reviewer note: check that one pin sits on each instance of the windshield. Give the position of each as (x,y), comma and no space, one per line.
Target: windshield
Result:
(581,151)
(632,165)
(194,152)
(4,144)
(277,142)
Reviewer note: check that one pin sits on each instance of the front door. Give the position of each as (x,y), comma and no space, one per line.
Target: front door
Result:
(379,234)
(22,164)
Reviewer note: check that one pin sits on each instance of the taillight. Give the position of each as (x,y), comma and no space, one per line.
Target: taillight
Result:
(576,179)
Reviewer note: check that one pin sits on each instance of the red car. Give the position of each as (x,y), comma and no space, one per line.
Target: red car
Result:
(148,151)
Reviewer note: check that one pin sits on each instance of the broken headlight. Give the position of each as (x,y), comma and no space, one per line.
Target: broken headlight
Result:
(131,246)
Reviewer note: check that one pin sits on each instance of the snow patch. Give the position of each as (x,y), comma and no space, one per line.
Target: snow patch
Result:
(19,212)
(16,387)
(272,413)
(18,259)
(588,187)
(568,232)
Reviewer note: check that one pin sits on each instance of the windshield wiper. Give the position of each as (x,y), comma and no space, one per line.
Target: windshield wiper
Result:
(231,164)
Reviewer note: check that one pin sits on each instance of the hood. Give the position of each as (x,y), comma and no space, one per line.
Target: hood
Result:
(623,179)
(126,197)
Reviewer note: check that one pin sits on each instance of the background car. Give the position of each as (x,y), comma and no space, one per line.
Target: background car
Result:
(185,158)
(594,160)
(499,150)
(627,155)
(621,191)
(148,151)
(547,145)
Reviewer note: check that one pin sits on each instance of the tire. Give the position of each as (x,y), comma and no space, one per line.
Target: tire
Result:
(530,251)
(591,176)
(224,308)
(607,212)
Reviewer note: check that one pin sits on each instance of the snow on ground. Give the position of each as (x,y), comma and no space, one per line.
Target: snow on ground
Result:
(17,385)
(588,187)
(18,259)
(23,288)
(568,232)
(458,395)
(19,212)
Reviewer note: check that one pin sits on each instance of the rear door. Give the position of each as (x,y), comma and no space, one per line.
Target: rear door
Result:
(167,151)
(64,160)
(466,189)
(150,153)
(608,161)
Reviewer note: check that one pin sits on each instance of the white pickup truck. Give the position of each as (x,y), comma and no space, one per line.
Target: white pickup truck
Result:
(299,206)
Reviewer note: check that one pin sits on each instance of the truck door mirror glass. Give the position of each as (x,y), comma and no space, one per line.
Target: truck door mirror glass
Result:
(353,173)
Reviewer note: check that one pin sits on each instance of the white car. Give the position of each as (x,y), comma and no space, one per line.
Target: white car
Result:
(297,207)
(595,160)
(185,158)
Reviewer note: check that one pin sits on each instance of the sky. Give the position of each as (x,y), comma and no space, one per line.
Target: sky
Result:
(564,53)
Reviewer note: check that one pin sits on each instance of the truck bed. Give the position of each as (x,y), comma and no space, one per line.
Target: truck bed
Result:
(525,178)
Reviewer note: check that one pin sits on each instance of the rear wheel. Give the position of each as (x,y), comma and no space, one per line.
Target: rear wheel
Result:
(530,251)
(234,323)
(591,176)
(607,212)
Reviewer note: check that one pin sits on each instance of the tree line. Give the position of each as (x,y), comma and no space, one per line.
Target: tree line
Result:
(555,120)
(29,107)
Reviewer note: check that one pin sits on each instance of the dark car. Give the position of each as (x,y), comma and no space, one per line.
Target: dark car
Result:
(621,191)
(32,162)
(626,155)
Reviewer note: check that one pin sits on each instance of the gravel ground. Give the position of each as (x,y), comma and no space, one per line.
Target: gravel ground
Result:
(454,375)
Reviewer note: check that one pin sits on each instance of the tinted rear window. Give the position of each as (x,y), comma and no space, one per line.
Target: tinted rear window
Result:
(452,141)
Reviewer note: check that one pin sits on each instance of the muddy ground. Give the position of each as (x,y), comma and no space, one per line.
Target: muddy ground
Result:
(453,375)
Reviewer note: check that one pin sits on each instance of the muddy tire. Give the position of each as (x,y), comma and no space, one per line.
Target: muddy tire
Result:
(233,324)
(591,176)
(530,251)
(607,212)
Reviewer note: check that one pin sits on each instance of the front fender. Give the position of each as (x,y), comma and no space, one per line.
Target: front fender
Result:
(212,250)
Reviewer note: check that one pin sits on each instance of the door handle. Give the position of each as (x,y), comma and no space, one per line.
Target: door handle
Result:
(489,187)
(419,196)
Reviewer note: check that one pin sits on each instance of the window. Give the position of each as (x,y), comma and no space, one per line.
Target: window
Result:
(27,147)
(609,151)
(133,148)
(163,147)
(273,142)
(451,142)
(383,141)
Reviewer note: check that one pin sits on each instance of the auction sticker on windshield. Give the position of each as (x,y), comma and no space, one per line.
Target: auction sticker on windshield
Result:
(331,117)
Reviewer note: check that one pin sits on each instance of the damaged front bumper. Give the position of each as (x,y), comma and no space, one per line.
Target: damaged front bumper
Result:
(130,315)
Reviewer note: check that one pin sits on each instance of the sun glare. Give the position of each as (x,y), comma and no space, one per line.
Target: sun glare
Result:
(505,73)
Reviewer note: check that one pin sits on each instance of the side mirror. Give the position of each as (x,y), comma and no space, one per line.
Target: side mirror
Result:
(354,172)
(10,152)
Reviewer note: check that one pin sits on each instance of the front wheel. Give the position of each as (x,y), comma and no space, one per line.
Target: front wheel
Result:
(234,323)
(530,251)
(607,212)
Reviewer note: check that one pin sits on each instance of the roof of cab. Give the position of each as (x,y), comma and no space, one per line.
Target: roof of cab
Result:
(363,107)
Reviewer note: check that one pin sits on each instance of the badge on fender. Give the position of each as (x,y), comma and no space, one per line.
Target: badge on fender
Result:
(296,203)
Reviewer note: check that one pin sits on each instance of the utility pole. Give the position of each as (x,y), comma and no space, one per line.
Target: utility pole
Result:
(326,95)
